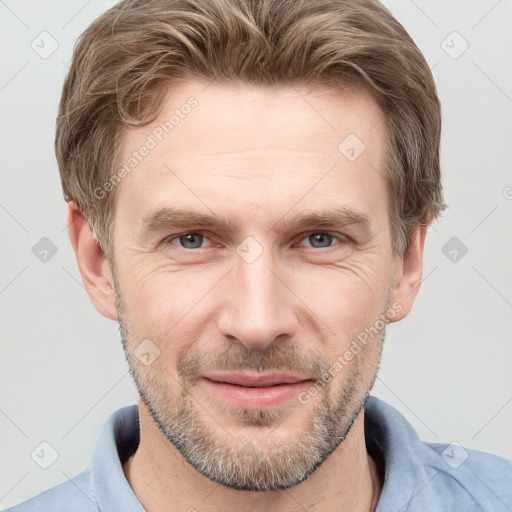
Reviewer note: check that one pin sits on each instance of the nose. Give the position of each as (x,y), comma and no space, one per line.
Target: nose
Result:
(258,306)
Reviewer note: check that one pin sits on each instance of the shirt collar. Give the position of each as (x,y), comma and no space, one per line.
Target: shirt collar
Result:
(118,438)
(390,438)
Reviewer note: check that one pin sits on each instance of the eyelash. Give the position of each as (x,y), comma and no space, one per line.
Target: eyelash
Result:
(340,238)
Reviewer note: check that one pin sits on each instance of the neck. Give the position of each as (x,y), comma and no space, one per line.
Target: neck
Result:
(160,476)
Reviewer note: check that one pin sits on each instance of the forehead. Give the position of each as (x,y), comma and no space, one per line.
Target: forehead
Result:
(245,113)
(260,143)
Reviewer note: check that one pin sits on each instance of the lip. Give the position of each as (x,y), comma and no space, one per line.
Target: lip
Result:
(256,380)
(255,390)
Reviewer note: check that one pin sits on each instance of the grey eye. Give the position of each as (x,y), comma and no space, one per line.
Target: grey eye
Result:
(191,240)
(320,240)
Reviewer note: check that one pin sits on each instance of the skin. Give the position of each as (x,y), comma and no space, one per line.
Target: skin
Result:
(260,157)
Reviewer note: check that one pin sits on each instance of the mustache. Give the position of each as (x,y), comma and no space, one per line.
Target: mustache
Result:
(193,363)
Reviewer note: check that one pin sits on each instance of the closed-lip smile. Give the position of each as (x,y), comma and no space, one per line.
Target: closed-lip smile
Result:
(255,390)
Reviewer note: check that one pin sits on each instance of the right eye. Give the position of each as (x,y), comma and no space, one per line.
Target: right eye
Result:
(190,240)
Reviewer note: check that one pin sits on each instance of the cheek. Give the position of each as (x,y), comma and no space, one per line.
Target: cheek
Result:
(165,304)
(349,302)
(346,298)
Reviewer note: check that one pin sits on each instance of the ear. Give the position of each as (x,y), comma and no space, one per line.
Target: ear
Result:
(408,275)
(94,267)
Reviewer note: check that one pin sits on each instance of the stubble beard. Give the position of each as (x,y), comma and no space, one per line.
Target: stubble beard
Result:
(247,461)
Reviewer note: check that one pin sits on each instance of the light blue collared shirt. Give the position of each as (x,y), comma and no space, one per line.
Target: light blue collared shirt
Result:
(419,477)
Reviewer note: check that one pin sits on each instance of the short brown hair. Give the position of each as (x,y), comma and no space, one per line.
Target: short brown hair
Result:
(127,58)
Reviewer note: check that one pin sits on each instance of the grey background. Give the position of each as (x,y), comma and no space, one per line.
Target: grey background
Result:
(447,367)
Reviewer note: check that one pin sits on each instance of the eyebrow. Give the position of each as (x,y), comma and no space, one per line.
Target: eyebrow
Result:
(331,218)
(166,218)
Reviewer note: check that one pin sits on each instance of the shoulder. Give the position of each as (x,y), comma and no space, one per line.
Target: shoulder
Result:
(102,486)
(483,478)
(421,476)
(74,495)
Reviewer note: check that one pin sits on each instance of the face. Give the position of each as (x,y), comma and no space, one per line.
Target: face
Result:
(254,274)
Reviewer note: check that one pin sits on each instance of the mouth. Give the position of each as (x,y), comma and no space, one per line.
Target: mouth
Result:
(255,390)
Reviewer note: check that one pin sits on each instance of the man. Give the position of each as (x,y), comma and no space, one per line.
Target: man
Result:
(249,184)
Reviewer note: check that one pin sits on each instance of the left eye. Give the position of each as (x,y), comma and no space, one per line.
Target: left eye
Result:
(320,240)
